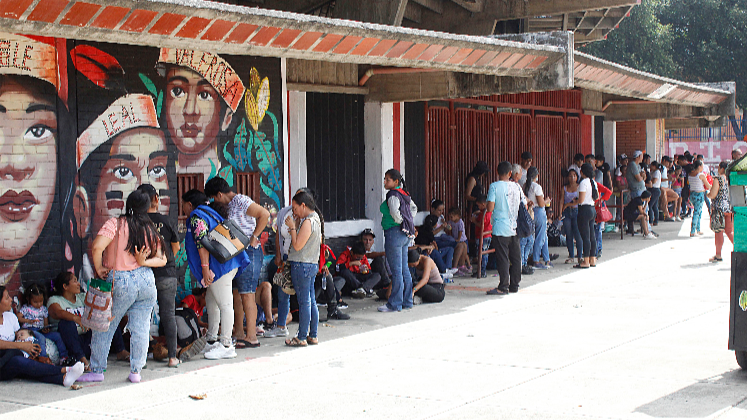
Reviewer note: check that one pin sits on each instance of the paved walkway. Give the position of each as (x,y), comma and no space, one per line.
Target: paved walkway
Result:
(643,335)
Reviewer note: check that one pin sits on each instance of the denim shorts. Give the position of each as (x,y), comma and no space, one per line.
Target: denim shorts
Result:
(248,280)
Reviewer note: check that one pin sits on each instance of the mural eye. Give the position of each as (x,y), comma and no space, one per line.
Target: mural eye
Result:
(177,92)
(157,172)
(205,96)
(38,134)
(124,173)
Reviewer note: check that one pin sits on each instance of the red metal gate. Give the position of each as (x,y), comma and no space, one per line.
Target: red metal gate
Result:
(458,137)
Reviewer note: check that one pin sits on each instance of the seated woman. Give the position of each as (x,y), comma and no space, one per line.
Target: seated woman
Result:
(443,257)
(430,287)
(636,211)
(65,309)
(12,360)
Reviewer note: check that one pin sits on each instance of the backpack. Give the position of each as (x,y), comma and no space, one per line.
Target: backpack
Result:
(187,329)
(524,222)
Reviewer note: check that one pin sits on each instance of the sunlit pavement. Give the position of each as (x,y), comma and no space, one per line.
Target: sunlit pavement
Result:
(643,335)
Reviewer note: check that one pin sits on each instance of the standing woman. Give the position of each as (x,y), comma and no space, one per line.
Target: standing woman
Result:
(138,248)
(397,211)
(165,276)
(473,188)
(655,190)
(306,242)
(534,193)
(587,195)
(698,186)
(570,214)
(722,219)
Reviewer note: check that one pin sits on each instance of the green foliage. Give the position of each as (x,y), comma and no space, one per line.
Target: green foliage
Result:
(696,41)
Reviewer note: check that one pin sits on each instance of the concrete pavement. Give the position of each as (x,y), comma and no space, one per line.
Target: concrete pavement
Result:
(643,335)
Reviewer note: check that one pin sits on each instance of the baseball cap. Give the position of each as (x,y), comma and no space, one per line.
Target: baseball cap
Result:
(368,231)
(623,156)
(637,153)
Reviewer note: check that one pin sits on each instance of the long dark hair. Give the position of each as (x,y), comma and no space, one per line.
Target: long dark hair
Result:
(588,172)
(306,197)
(397,176)
(480,169)
(142,231)
(532,173)
(57,286)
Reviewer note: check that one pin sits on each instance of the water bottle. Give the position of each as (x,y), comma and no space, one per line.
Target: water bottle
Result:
(324,282)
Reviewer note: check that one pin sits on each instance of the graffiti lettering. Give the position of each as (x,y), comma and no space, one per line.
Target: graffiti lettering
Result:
(10,59)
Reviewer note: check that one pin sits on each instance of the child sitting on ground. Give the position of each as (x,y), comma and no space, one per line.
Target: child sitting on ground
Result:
(461,250)
(354,267)
(34,317)
(487,231)
(196,302)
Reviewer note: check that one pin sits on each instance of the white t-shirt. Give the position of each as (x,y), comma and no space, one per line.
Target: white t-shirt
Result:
(441,222)
(285,236)
(585,186)
(535,190)
(237,209)
(664,174)
(9,327)
(656,179)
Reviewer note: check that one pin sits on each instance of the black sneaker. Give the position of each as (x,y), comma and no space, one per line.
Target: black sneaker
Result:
(339,315)
(527,270)
(553,257)
(342,304)
(513,290)
(369,293)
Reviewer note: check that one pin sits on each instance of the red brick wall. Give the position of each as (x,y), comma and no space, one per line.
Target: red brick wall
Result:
(631,136)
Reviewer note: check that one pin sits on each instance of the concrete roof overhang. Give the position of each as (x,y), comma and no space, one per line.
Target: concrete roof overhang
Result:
(224,28)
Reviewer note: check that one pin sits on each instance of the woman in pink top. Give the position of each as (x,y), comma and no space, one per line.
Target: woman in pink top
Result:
(138,247)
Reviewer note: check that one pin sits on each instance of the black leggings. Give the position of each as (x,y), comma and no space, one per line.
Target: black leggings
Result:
(586,216)
(432,293)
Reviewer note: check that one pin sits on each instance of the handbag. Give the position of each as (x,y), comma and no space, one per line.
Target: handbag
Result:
(603,213)
(97,313)
(282,279)
(225,241)
(524,222)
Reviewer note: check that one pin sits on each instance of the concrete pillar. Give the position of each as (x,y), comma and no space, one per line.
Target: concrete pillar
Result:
(286,151)
(610,142)
(297,141)
(651,139)
(378,136)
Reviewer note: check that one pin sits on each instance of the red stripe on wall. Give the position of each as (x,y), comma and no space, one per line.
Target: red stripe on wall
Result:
(397,135)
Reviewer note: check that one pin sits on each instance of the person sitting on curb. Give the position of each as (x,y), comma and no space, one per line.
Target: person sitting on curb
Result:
(430,287)
(636,211)
(353,266)
(377,260)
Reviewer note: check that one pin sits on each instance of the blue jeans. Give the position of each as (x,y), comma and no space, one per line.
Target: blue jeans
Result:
(540,236)
(636,193)
(52,335)
(485,247)
(526,245)
(572,234)
(21,367)
(248,280)
(446,257)
(133,293)
(445,240)
(598,233)
(303,275)
(79,345)
(696,199)
(395,247)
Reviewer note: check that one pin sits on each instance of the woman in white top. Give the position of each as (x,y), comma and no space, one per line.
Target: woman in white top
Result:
(534,193)
(587,194)
(655,190)
(698,186)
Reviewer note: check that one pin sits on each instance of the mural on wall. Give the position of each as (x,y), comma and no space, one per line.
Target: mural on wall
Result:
(135,115)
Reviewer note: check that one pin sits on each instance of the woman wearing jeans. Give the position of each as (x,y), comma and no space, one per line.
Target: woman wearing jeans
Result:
(570,217)
(587,195)
(534,193)
(698,186)
(138,248)
(397,211)
(306,242)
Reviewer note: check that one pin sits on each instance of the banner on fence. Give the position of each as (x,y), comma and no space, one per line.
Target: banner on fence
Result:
(713,151)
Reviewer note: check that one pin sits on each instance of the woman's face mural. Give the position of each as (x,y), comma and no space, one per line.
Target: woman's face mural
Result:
(28,165)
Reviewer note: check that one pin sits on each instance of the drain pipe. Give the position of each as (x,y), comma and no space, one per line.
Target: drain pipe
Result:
(391,70)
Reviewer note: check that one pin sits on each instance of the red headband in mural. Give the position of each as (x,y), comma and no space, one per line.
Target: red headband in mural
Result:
(212,67)
(127,112)
(35,57)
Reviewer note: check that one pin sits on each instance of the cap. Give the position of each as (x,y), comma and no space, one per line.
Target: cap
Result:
(526,156)
(623,156)
(127,112)
(212,67)
(368,231)
(637,153)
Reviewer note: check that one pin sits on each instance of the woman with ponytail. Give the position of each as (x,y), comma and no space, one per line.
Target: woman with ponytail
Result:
(533,192)
(587,195)
(138,248)
(397,212)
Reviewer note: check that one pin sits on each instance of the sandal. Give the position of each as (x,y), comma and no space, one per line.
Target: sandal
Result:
(570,260)
(312,341)
(246,344)
(581,266)
(496,292)
(295,342)
(715,259)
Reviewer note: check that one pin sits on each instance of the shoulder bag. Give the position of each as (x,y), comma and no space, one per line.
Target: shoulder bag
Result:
(603,213)
(97,313)
(524,222)
(226,240)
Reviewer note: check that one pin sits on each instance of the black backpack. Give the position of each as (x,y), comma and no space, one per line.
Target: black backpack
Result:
(524,222)
(187,328)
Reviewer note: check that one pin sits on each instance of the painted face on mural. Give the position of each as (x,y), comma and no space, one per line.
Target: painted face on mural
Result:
(137,156)
(28,166)
(192,109)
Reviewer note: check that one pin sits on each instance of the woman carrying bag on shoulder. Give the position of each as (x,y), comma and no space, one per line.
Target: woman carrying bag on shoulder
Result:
(137,247)
(215,276)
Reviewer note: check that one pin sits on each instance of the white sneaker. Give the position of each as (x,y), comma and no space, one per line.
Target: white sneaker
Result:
(277,332)
(385,308)
(417,300)
(678,219)
(447,275)
(650,236)
(452,271)
(209,347)
(221,352)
